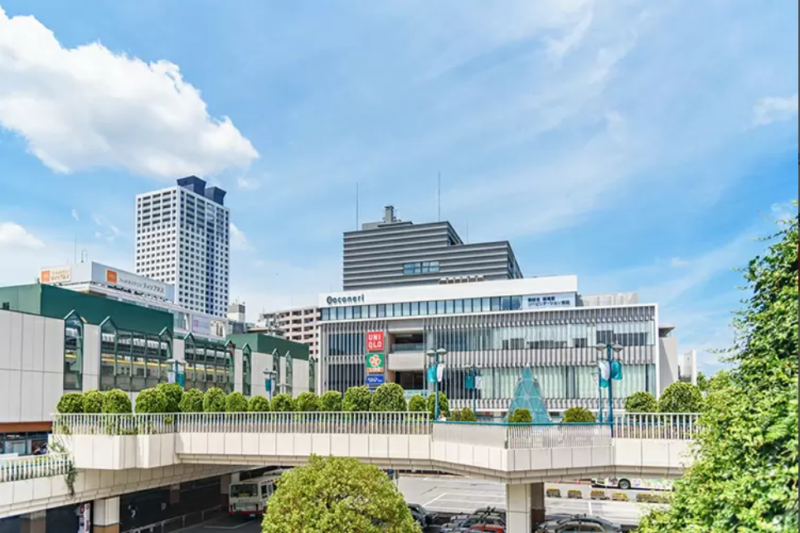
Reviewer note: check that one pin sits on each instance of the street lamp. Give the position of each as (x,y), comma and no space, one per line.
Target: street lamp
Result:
(608,350)
(180,377)
(436,355)
(268,376)
(472,383)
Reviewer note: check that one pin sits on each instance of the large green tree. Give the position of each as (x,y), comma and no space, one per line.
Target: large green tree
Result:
(744,476)
(337,494)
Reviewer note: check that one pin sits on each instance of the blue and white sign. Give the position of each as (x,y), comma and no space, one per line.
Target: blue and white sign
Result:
(539,301)
(375,380)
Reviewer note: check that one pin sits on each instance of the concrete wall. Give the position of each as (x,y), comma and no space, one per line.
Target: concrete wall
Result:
(668,362)
(31,366)
(91,357)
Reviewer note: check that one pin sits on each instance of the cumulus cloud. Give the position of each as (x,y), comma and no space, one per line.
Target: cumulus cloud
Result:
(87,107)
(12,235)
(239,239)
(774,109)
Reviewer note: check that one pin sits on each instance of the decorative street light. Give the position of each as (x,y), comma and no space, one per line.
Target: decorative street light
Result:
(472,383)
(607,353)
(180,377)
(436,356)
(268,381)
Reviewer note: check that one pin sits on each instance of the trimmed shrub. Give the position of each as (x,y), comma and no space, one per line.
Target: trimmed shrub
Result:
(598,495)
(283,403)
(620,497)
(307,402)
(174,394)
(520,416)
(417,404)
(116,401)
(444,405)
(468,415)
(235,403)
(331,401)
(388,397)
(681,397)
(455,415)
(578,414)
(356,399)
(574,494)
(641,402)
(71,402)
(214,400)
(192,401)
(258,404)
(151,401)
(553,493)
(92,401)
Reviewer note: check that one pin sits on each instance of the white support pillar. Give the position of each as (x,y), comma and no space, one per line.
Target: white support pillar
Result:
(105,515)
(524,507)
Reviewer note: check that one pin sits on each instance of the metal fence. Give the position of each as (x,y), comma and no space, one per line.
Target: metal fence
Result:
(673,426)
(34,466)
(180,522)
(522,436)
(114,424)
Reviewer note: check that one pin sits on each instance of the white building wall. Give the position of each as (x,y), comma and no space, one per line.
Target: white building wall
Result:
(91,357)
(261,362)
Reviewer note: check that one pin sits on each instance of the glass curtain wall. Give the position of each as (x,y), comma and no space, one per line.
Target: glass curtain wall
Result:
(73,352)
(208,364)
(131,360)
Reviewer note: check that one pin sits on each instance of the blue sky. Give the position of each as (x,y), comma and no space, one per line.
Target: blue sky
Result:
(640,145)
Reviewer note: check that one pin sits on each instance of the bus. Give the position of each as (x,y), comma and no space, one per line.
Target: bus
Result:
(248,497)
(633,483)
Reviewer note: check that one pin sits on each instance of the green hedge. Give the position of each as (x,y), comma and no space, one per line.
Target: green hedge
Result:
(116,401)
(283,403)
(578,414)
(174,394)
(356,399)
(92,401)
(444,405)
(307,402)
(331,401)
(70,403)
(151,401)
(417,404)
(468,415)
(388,397)
(641,402)
(520,416)
(258,404)
(192,401)
(214,400)
(681,397)
(235,402)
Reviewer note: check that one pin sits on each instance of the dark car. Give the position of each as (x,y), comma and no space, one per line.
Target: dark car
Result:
(422,516)
(580,523)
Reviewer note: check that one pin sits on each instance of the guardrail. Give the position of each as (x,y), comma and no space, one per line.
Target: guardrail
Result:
(115,424)
(33,467)
(673,426)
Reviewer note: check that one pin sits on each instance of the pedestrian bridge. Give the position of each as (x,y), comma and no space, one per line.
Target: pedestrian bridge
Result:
(521,455)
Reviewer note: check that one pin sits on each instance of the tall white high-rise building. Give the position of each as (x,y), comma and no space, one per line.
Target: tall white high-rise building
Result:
(183,238)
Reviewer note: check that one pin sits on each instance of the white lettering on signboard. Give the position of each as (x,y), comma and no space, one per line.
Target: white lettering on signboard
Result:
(548,300)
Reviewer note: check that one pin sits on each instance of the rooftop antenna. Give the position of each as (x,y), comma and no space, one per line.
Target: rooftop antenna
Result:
(439,198)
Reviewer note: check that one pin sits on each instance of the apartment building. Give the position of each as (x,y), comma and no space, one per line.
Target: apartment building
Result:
(298,325)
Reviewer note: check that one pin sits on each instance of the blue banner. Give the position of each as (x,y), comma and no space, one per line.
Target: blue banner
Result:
(375,380)
(431,374)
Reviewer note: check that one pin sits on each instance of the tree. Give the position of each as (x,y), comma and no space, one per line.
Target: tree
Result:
(92,401)
(336,494)
(151,401)
(70,403)
(174,394)
(283,403)
(578,414)
(444,405)
(331,401)
(641,402)
(356,399)
(455,415)
(520,416)
(307,402)
(680,397)
(116,401)
(702,382)
(417,404)
(192,401)
(214,400)
(258,404)
(388,397)
(745,469)
(235,403)
(468,415)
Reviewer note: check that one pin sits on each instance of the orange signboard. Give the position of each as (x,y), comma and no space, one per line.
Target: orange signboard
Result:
(111,276)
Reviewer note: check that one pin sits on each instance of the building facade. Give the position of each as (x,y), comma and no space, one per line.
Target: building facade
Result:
(183,239)
(500,327)
(393,253)
(298,325)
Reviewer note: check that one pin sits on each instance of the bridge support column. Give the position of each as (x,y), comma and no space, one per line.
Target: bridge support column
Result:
(33,522)
(225,487)
(524,507)
(105,515)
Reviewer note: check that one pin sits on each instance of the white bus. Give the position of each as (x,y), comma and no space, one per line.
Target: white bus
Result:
(248,497)
(633,483)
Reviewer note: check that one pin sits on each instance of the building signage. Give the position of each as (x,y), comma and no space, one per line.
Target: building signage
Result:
(539,301)
(85,518)
(201,325)
(374,341)
(374,363)
(135,283)
(374,380)
(345,300)
(56,275)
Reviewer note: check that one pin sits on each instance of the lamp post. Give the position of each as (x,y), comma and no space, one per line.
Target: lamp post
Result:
(436,355)
(180,377)
(472,377)
(608,350)
(268,375)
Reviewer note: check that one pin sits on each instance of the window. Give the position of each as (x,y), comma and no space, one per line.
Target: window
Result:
(287,362)
(208,364)
(423,267)
(73,352)
(247,364)
(130,360)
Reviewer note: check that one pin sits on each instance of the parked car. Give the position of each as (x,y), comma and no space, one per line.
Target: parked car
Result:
(486,528)
(580,522)
(487,516)
(423,517)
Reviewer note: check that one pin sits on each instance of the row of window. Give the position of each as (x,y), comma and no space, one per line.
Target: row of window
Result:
(421,267)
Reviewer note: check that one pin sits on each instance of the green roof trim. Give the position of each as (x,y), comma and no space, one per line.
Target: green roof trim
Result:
(261,343)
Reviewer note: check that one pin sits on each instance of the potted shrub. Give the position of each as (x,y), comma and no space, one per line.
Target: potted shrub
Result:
(574,494)
(553,493)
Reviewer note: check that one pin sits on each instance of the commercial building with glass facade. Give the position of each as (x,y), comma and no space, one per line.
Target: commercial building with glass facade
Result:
(500,327)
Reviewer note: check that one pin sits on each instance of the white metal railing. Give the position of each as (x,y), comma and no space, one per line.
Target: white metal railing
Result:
(33,466)
(523,436)
(492,435)
(377,423)
(673,426)
(180,522)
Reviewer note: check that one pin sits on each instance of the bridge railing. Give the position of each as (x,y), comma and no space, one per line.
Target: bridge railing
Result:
(521,436)
(672,426)
(34,466)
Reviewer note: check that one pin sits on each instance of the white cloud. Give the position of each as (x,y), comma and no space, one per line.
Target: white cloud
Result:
(677,262)
(558,48)
(250,184)
(75,215)
(110,231)
(87,107)
(12,235)
(239,239)
(774,109)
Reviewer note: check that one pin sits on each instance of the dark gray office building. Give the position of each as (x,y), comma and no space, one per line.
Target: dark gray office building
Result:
(394,253)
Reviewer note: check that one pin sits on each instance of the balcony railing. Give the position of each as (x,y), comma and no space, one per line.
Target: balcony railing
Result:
(672,426)
(33,466)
